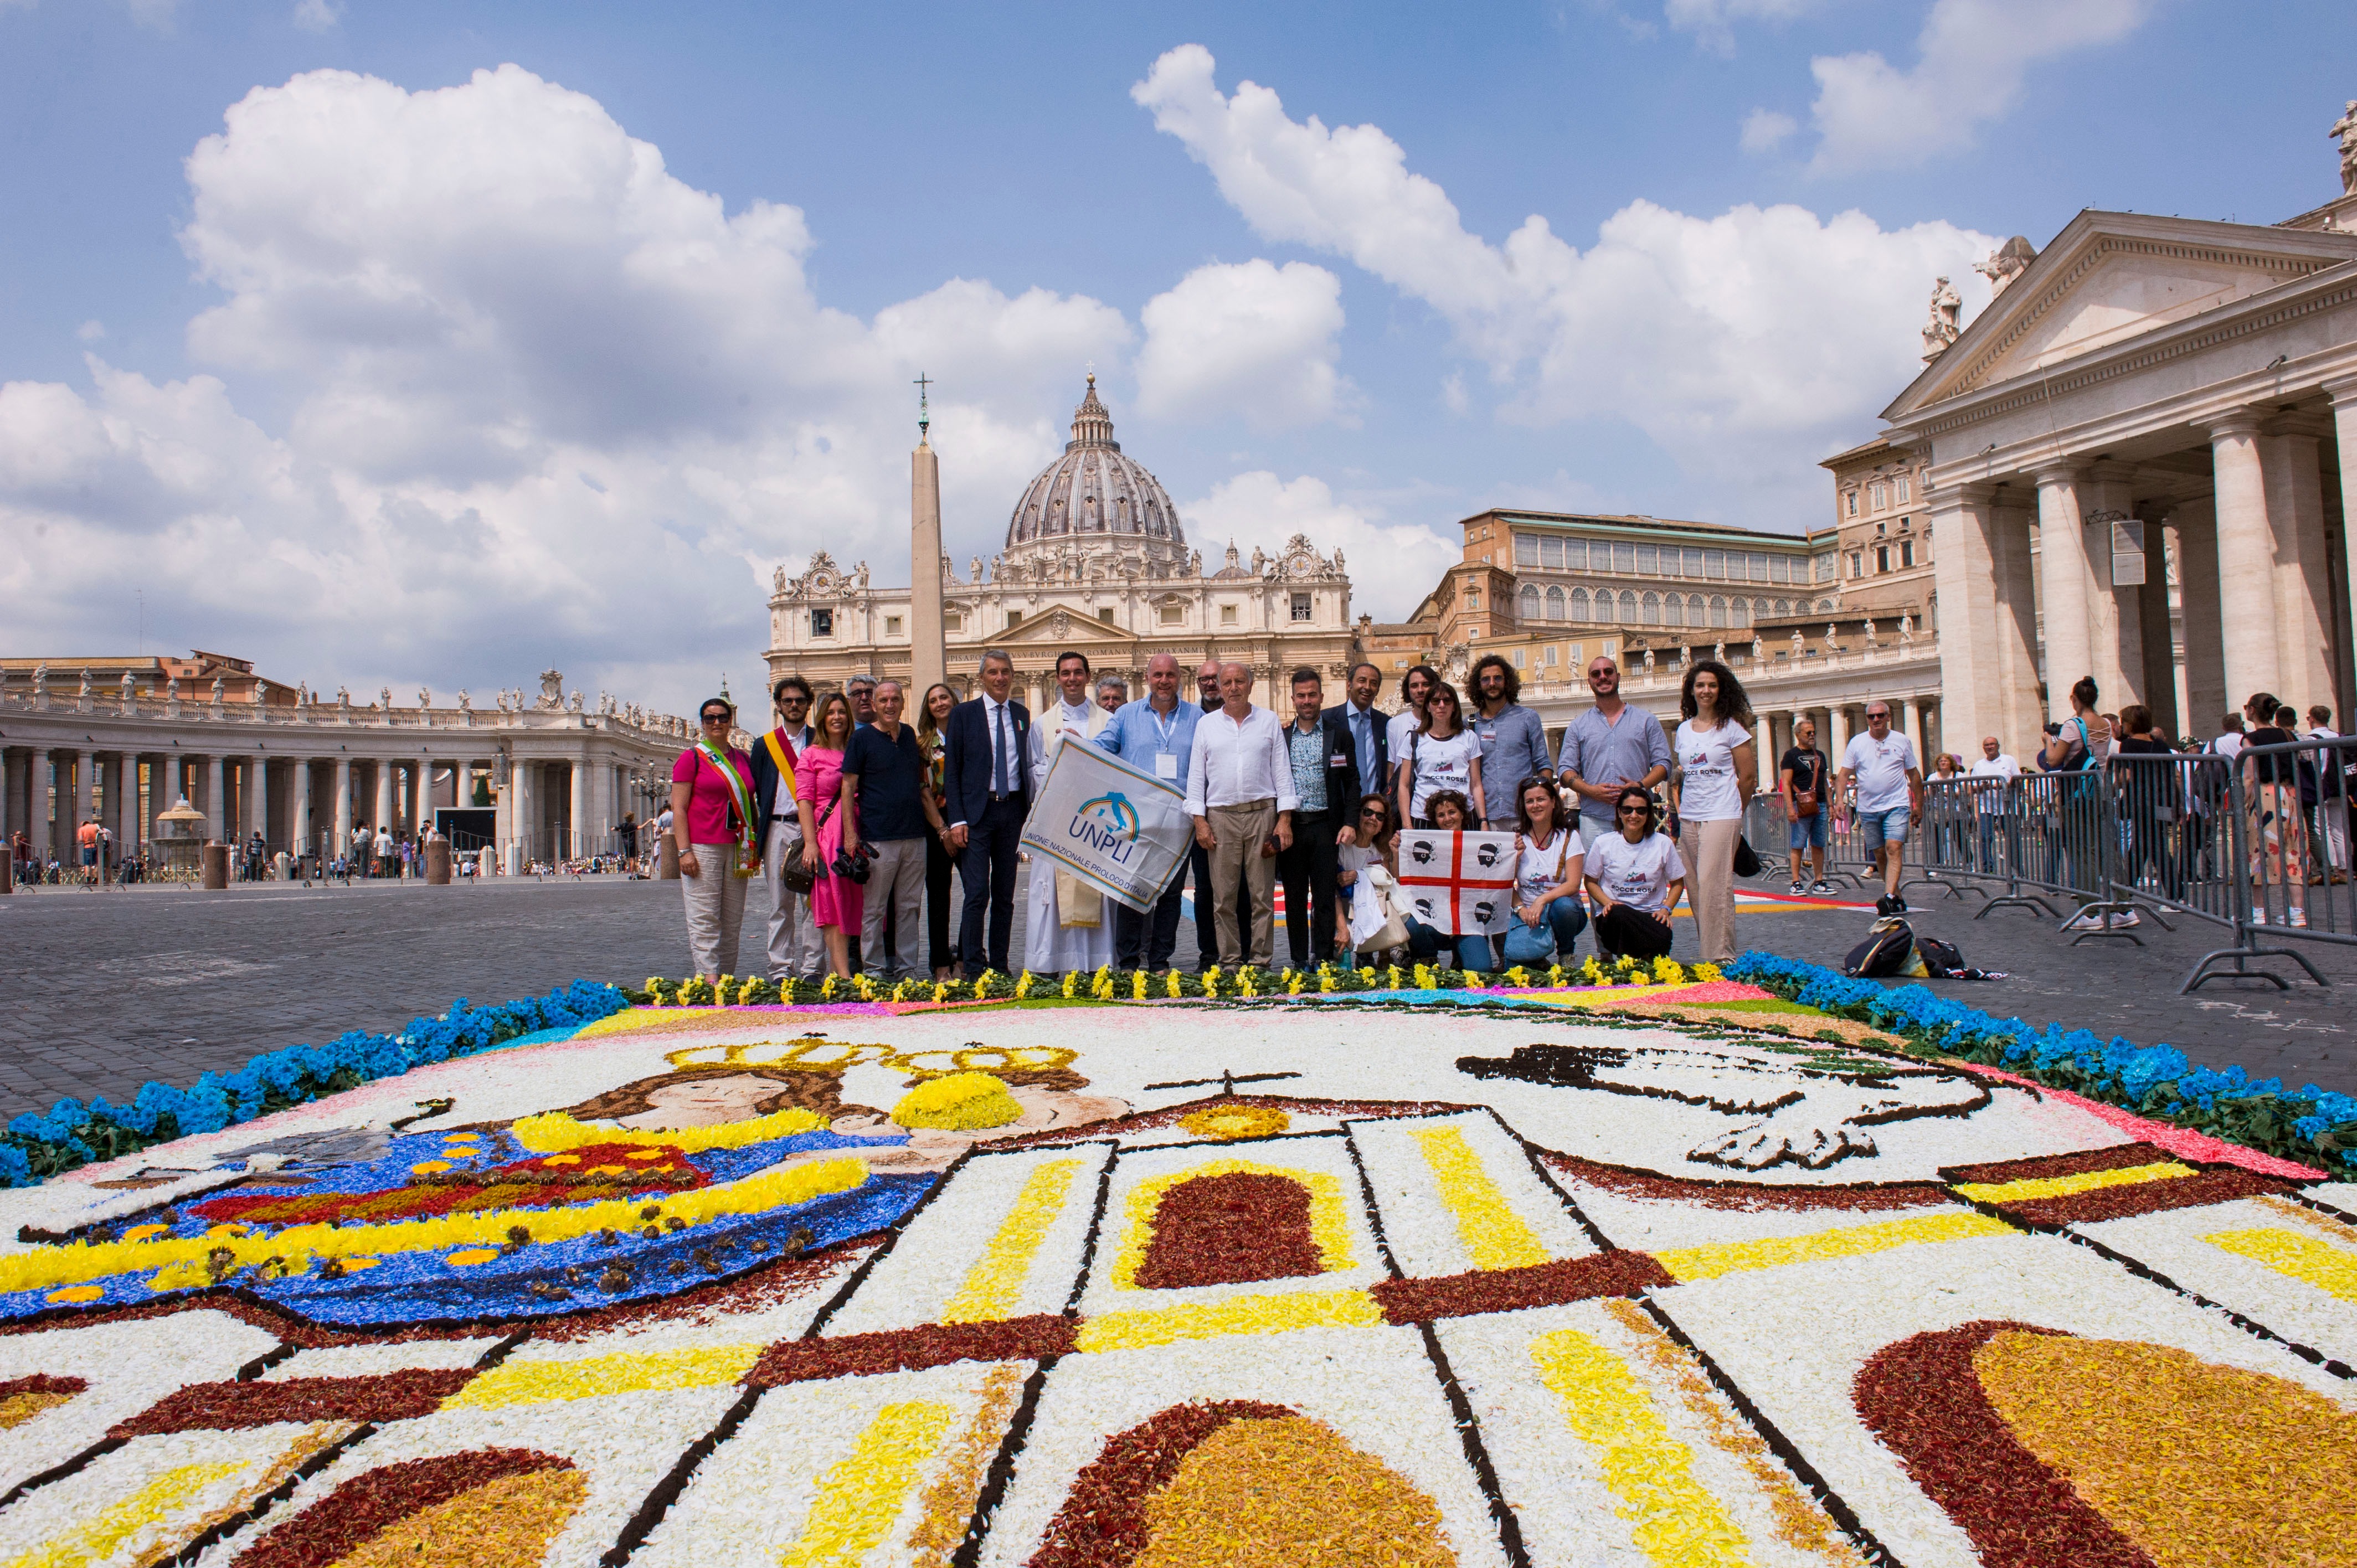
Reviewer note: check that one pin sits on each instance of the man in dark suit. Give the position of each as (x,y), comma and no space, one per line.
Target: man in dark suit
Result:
(986,759)
(1369,731)
(1325,777)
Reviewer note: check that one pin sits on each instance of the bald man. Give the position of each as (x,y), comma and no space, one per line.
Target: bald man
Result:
(1240,791)
(1154,734)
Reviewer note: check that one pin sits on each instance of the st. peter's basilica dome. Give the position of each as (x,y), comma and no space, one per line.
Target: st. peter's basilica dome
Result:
(1093,495)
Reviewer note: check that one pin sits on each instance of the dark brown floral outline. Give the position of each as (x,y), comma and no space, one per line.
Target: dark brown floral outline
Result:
(368,1505)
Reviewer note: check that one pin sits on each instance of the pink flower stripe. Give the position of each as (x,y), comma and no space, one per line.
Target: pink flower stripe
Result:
(2178,1140)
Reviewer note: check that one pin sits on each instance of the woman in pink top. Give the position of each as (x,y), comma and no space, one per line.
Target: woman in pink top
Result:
(835,901)
(711,812)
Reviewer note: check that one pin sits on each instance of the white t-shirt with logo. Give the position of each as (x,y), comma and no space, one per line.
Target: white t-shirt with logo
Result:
(1442,764)
(1706,760)
(1881,767)
(1637,875)
(1536,869)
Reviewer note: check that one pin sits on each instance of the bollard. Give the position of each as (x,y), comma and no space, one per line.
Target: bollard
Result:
(437,863)
(213,866)
(667,860)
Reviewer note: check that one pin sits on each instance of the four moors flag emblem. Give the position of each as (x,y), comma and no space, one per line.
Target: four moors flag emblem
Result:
(1122,831)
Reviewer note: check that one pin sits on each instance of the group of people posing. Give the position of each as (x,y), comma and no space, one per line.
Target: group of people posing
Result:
(858,819)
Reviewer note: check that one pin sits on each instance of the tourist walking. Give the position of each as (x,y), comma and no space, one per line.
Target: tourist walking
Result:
(826,807)
(1067,924)
(794,949)
(2279,837)
(712,802)
(1635,877)
(1548,868)
(1884,785)
(1609,747)
(1155,735)
(939,865)
(1514,742)
(1714,777)
(1801,780)
(2328,797)
(1441,754)
(884,771)
(987,777)
(1369,728)
(1325,766)
(1240,792)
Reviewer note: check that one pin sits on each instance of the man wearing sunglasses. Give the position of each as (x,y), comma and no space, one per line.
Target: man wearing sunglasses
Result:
(1880,775)
(795,949)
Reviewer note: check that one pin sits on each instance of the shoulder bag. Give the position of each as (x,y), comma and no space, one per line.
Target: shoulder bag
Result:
(1805,801)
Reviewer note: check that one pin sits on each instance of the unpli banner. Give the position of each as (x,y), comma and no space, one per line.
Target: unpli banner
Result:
(1459,884)
(1124,832)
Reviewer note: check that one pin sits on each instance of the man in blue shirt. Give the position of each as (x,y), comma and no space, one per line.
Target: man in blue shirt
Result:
(1514,742)
(1609,747)
(1153,734)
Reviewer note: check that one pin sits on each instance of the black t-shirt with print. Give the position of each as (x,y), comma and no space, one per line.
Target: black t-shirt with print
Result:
(1807,768)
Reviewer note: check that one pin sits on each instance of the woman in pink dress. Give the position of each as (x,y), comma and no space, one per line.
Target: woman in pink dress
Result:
(818,784)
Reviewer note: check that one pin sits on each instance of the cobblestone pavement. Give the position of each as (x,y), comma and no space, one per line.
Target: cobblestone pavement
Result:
(105,991)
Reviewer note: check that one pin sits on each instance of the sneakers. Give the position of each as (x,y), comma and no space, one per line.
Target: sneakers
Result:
(1887,905)
(1822,889)
(1796,888)
(2258,915)
(2300,919)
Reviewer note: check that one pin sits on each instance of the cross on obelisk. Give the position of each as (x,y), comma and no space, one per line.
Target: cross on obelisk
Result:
(924,417)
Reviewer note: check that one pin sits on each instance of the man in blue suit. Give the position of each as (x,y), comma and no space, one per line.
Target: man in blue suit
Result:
(986,759)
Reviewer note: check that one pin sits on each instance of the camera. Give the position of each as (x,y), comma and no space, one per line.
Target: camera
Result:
(852,864)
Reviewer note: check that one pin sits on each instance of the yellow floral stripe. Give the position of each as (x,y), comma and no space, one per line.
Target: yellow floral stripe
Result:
(545,1382)
(181,1261)
(97,1538)
(1650,1473)
(555,1131)
(991,1289)
(1237,1315)
(1330,1219)
(1689,1263)
(862,1496)
(2331,1269)
(2070,1185)
(948,1502)
(1495,1236)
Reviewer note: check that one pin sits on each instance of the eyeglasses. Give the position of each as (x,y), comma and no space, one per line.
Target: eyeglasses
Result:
(714,718)
(1878,718)
(1636,810)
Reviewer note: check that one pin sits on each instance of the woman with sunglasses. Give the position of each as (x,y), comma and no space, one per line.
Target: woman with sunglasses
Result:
(1634,879)
(1442,753)
(712,812)
(1374,842)
(827,810)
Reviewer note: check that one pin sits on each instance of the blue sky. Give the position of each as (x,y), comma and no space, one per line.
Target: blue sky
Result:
(413,375)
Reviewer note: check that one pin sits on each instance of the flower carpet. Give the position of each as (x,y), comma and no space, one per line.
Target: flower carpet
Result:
(1704,1269)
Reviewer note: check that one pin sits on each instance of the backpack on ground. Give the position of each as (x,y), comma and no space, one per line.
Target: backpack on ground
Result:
(1888,953)
(1942,960)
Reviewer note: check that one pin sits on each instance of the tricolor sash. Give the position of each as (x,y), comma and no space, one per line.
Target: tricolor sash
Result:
(740,799)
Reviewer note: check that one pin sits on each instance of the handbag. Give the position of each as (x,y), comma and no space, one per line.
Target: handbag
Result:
(1747,859)
(1805,801)
(801,868)
(1392,932)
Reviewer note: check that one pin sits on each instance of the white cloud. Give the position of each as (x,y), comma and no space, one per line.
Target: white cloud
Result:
(1764,129)
(158,15)
(1391,565)
(318,15)
(91,331)
(466,300)
(1745,345)
(1712,22)
(1974,56)
(1252,341)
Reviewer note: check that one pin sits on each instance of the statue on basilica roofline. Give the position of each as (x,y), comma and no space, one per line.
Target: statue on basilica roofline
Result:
(2345,128)
(1906,628)
(425,698)
(1941,329)
(2006,263)
(216,693)
(84,688)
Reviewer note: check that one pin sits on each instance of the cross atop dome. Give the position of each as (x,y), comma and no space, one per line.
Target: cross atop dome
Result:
(1091,425)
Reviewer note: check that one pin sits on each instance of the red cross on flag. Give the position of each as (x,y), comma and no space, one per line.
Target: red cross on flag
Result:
(1459,884)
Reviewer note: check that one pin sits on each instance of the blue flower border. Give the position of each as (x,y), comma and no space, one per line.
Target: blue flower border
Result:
(36,1146)
(2312,1125)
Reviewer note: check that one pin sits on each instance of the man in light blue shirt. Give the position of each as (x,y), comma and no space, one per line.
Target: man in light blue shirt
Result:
(1608,748)
(1153,734)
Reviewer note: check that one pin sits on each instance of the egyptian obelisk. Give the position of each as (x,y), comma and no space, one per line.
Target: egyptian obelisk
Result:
(928,657)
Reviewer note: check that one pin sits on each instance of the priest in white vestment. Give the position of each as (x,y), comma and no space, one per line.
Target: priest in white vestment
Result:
(1067,924)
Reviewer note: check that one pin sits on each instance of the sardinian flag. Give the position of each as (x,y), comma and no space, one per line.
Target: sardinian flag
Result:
(1459,884)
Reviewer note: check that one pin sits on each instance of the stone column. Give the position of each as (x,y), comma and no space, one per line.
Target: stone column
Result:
(2344,429)
(577,809)
(2152,614)
(1980,665)
(343,806)
(11,818)
(299,808)
(2247,551)
(525,815)
(2063,575)
(1837,732)
(256,777)
(85,777)
(2304,620)
(383,816)
(2115,625)
(2195,524)
(216,821)
(2018,710)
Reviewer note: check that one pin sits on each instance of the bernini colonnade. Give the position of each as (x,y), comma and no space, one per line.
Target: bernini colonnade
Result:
(2149,390)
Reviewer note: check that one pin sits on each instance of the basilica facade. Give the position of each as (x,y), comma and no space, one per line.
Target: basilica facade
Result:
(1095,559)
